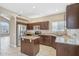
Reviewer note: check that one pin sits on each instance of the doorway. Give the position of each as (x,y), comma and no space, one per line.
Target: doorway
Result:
(4,34)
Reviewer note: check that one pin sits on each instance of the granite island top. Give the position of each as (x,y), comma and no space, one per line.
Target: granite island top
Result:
(30,37)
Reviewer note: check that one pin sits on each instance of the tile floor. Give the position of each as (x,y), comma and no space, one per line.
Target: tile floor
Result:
(5,49)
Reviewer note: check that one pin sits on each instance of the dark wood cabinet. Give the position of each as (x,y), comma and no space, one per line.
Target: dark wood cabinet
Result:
(47,40)
(30,48)
(41,40)
(72,16)
(43,25)
(30,26)
(67,49)
(53,44)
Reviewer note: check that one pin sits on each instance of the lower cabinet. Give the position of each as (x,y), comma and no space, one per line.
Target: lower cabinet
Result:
(67,49)
(47,40)
(53,44)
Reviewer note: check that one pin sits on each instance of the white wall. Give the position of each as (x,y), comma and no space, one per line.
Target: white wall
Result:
(13,31)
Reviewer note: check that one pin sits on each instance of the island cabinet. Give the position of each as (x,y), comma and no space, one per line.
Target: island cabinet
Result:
(72,16)
(30,48)
(63,49)
(47,40)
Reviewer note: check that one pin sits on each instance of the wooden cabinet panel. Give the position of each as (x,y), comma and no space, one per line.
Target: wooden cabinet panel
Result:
(30,48)
(48,40)
(72,16)
(30,26)
(43,25)
(67,49)
(41,40)
(45,40)
(53,44)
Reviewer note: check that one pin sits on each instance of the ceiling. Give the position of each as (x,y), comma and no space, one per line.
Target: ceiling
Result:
(34,10)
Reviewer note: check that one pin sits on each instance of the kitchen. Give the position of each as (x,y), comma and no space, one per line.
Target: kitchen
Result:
(62,40)
(58,31)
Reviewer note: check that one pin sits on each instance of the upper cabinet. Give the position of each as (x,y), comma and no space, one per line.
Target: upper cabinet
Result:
(43,25)
(30,26)
(72,16)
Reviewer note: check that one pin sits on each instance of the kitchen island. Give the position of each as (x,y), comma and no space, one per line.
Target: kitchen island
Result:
(30,45)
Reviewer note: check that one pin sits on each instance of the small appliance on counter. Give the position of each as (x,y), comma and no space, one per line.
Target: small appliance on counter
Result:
(37,32)
(29,34)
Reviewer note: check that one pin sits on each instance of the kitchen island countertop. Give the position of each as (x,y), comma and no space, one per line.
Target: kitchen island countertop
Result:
(30,37)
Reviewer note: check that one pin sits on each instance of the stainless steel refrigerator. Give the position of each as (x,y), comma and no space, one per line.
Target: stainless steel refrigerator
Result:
(21,31)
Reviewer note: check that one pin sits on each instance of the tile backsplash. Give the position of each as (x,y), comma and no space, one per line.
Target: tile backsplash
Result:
(42,31)
(74,33)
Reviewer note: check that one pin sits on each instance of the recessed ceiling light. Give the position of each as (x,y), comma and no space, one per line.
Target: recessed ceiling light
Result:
(21,12)
(34,6)
(56,9)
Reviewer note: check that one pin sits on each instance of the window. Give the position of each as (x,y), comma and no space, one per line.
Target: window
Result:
(58,26)
(4,27)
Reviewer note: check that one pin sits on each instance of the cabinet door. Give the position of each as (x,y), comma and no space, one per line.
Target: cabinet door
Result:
(45,40)
(41,40)
(72,16)
(44,25)
(23,46)
(67,50)
(30,26)
(53,44)
(41,25)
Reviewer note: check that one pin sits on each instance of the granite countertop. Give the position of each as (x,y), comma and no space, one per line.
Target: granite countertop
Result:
(64,38)
(48,34)
(54,34)
(67,40)
(30,37)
